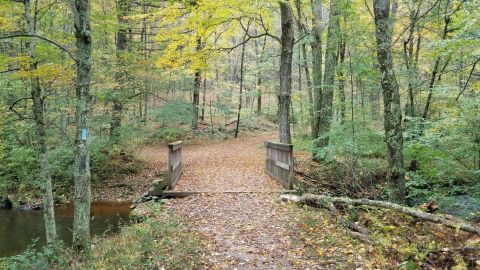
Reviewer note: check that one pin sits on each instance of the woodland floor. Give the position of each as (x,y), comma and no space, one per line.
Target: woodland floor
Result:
(250,229)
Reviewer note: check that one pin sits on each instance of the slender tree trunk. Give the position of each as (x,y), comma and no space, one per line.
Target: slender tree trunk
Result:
(409,59)
(259,61)
(38,113)
(240,98)
(326,112)
(120,77)
(433,76)
(145,58)
(317,61)
(391,97)
(341,81)
(82,189)
(196,90)
(304,63)
(204,98)
(285,73)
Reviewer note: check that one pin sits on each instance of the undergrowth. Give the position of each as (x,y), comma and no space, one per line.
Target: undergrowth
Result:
(398,241)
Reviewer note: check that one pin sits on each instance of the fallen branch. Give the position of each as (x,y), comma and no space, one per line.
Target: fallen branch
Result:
(326,200)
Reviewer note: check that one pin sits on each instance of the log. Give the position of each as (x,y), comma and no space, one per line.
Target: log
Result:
(324,200)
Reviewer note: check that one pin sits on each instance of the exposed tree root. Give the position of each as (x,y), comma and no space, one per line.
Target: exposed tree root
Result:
(327,201)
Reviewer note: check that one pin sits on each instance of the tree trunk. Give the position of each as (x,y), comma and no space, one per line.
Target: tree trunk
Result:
(326,112)
(82,189)
(436,66)
(317,56)
(121,46)
(204,98)
(259,61)
(285,73)
(240,98)
(145,79)
(341,81)
(409,59)
(38,113)
(304,63)
(196,91)
(391,98)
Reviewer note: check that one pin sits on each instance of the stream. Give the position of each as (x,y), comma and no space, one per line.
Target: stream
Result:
(18,228)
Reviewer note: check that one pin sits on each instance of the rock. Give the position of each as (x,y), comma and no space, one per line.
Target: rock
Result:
(140,213)
(5,203)
(28,207)
(158,186)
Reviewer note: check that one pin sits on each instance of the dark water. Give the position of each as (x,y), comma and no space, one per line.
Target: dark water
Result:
(19,227)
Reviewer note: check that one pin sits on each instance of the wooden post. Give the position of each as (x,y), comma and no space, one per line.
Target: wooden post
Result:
(280,163)
(175,164)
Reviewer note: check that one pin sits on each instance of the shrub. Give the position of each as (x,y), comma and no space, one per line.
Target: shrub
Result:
(169,133)
(174,113)
(52,256)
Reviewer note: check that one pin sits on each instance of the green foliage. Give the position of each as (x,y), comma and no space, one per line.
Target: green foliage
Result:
(110,160)
(174,113)
(20,168)
(52,256)
(444,154)
(61,164)
(368,143)
(169,133)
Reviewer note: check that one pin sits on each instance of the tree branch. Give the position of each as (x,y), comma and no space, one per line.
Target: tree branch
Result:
(324,200)
(44,39)
(468,80)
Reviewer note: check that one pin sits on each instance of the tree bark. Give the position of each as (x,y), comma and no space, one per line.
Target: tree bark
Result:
(301,28)
(341,80)
(196,90)
(285,73)
(391,98)
(317,61)
(240,98)
(121,46)
(204,99)
(326,201)
(410,65)
(326,112)
(433,76)
(82,189)
(38,113)
(304,63)
(259,61)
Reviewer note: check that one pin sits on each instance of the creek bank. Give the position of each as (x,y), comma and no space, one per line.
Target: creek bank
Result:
(5,203)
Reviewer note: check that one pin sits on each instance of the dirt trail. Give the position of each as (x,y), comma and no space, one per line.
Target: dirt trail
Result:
(239,230)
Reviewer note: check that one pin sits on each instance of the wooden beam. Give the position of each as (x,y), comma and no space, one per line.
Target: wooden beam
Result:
(175,146)
(183,194)
(279,146)
(282,165)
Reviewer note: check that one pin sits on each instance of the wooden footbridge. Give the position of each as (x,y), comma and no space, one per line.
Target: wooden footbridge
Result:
(279,164)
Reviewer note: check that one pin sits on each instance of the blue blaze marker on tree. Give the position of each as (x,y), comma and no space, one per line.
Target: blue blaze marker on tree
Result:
(84,134)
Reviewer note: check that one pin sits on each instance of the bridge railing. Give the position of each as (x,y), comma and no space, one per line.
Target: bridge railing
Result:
(175,163)
(280,163)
